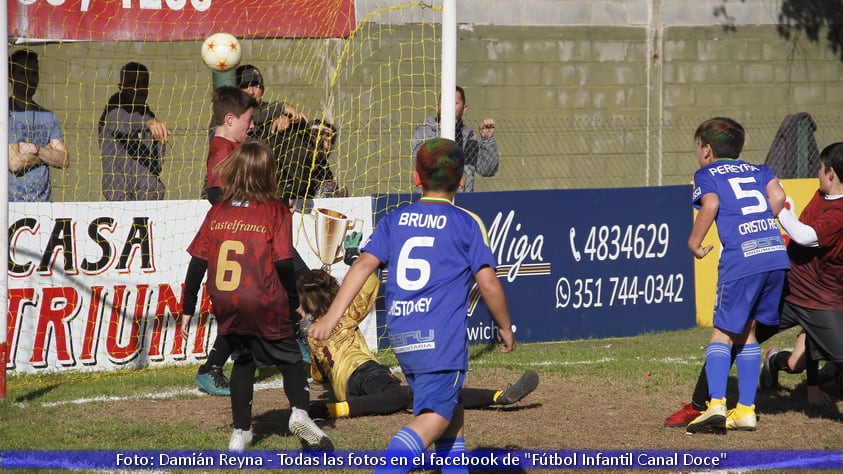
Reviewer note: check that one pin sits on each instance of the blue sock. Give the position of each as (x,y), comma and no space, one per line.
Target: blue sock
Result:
(405,445)
(748,363)
(718,361)
(451,447)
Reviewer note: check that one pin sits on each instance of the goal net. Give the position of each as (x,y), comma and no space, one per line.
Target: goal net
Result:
(95,283)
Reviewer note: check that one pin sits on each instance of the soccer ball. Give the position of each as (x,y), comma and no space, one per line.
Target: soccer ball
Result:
(221,52)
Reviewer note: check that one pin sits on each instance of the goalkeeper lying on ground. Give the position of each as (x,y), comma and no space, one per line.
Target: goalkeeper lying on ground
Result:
(362,386)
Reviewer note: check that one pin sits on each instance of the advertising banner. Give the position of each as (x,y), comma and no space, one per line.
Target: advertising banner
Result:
(589,263)
(95,286)
(177,20)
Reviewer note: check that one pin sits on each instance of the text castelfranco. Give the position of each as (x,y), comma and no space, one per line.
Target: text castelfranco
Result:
(237,226)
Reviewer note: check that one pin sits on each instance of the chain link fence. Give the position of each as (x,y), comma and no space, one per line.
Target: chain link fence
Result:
(556,153)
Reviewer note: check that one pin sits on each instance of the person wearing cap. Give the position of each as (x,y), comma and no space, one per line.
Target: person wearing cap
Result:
(270,117)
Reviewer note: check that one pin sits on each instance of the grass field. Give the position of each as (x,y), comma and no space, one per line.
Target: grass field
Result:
(608,394)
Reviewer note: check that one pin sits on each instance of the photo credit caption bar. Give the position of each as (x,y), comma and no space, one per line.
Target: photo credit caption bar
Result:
(428,460)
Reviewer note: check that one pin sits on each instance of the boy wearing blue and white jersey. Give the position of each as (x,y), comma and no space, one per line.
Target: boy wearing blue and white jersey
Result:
(431,249)
(743,199)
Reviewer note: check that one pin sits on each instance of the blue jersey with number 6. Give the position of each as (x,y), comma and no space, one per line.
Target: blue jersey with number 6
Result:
(751,240)
(432,249)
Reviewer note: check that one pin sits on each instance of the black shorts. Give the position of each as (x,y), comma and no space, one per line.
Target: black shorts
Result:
(824,328)
(370,377)
(265,352)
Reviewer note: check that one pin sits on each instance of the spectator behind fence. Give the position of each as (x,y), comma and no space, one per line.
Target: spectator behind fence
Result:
(132,141)
(35,138)
(303,168)
(481,154)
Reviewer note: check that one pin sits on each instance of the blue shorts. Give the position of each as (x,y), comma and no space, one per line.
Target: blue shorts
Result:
(753,297)
(438,392)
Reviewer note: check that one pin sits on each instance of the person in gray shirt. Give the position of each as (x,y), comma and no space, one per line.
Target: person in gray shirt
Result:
(481,153)
(132,141)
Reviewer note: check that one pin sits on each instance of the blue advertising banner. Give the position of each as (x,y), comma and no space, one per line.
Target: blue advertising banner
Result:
(583,263)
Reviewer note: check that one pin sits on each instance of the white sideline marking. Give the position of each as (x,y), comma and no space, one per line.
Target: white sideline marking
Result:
(275,382)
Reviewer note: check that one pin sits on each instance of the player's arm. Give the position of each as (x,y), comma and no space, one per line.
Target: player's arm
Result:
(192,281)
(287,273)
(709,203)
(351,284)
(776,196)
(802,234)
(493,294)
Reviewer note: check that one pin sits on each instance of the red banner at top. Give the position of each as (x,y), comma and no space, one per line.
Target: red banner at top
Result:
(171,20)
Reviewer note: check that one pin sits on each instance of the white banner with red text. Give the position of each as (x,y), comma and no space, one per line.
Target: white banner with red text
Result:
(97,286)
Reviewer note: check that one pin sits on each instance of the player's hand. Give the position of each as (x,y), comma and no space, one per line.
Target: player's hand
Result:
(185,325)
(320,329)
(487,128)
(158,129)
(507,337)
(701,251)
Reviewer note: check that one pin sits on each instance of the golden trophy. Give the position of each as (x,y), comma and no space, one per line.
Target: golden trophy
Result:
(330,228)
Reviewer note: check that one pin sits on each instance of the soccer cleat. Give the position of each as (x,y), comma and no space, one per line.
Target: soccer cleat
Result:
(520,389)
(681,418)
(240,440)
(712,420)
(741,418)
(213,382)
(312,437)
(769,378)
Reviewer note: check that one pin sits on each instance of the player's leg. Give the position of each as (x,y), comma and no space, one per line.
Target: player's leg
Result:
(371,389)
(482,397)
(452,442)
(210,377)
(767,290)
(435,401)
(286,355)
(699,398)
(242,392)
(731,315)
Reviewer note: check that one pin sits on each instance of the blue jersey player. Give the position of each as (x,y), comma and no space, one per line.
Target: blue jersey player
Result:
(743,199)
(432,249)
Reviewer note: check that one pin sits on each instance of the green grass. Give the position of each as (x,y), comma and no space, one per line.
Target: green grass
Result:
(41,411)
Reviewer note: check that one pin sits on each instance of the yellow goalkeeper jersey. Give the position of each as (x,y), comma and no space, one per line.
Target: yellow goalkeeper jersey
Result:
(335,359)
